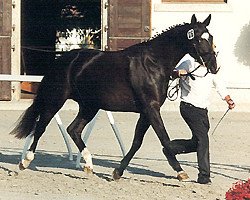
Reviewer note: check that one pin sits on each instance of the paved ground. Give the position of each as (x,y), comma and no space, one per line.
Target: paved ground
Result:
(53,176)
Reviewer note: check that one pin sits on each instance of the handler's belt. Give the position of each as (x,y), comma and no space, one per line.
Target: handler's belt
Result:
(183,103)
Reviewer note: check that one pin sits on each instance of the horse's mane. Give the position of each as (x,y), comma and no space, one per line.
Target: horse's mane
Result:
(168,32)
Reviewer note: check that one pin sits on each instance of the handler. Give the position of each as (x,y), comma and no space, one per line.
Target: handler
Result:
(193,108)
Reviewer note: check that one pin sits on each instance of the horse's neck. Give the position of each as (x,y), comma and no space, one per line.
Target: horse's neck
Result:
(171,48)
(169,55)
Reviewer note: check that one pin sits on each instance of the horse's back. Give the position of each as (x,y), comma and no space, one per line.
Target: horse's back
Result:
(102,79)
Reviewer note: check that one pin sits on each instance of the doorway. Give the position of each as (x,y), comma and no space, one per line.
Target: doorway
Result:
(51,27)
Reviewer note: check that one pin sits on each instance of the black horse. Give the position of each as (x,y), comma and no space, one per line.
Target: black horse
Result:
(131,80)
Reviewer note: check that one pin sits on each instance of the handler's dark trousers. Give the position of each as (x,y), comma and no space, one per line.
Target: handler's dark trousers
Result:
(198,122)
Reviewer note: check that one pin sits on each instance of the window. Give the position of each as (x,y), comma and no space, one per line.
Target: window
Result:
(193,6)
(195,1)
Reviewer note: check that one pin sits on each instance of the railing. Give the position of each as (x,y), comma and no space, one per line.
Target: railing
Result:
(29,78)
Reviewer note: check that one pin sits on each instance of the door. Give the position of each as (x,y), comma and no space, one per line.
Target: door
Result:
(128,23)
(5,47)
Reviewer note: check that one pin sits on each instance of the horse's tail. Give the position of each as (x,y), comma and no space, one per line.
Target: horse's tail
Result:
(27,122)
(53,91)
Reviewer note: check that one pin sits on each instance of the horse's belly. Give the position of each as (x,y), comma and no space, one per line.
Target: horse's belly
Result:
(119,101)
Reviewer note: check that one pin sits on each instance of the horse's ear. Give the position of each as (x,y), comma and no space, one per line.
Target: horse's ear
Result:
(193,19)
(207,21)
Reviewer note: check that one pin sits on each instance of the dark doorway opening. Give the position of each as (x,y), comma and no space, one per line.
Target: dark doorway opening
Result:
(46,32)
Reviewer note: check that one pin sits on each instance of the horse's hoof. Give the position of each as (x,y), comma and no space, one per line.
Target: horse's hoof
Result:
(116,175)
(21,166)
(88,170)
(24,164)
(182,176)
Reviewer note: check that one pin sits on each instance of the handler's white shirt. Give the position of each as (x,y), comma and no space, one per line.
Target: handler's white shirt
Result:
(197,92)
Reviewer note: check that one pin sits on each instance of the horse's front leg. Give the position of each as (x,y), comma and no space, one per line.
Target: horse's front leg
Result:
(153,113)
(141,128)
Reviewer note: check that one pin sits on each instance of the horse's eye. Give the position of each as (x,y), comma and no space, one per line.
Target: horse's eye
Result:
(205,36)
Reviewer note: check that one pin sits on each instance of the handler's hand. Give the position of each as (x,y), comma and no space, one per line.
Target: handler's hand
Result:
(230,102)
(182,72)
(178,73)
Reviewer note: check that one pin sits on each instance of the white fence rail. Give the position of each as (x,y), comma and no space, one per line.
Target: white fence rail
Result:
(29,78)
(20,78)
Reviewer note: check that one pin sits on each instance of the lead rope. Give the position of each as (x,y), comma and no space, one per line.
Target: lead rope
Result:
(173,93)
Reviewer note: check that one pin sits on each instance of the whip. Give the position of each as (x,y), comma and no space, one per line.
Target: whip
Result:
(220,121)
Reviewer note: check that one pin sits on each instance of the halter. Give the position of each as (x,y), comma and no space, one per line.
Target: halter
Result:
(172,94)
(190,36)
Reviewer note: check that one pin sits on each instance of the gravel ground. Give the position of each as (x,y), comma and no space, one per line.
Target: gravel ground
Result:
(52,176)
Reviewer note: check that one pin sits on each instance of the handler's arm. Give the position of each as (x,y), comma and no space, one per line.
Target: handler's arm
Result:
(182,69)
(223,92)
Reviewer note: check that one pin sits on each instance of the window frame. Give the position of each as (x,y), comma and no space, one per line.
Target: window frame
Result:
(193,6)
(194,1)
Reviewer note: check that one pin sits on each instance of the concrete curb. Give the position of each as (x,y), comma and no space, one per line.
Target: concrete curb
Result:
(218,106)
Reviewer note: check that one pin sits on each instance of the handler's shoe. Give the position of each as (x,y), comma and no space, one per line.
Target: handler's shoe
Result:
(182,176)
(204,180)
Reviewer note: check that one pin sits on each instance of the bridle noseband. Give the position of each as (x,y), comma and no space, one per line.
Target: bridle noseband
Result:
(191,36)
(172,94)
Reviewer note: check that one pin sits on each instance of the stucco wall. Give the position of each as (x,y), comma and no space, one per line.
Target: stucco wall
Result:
(230,26)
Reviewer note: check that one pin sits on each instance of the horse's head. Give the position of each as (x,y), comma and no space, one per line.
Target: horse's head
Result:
(202,47)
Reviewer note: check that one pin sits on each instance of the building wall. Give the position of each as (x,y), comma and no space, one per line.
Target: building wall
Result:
(230,26)
(16,51)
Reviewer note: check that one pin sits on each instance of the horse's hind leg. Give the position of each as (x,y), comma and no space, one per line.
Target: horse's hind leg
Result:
(27,156)
(84,116)
(42,121)
(141,128)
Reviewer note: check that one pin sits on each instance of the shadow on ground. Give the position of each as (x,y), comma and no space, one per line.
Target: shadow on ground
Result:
(58,160)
